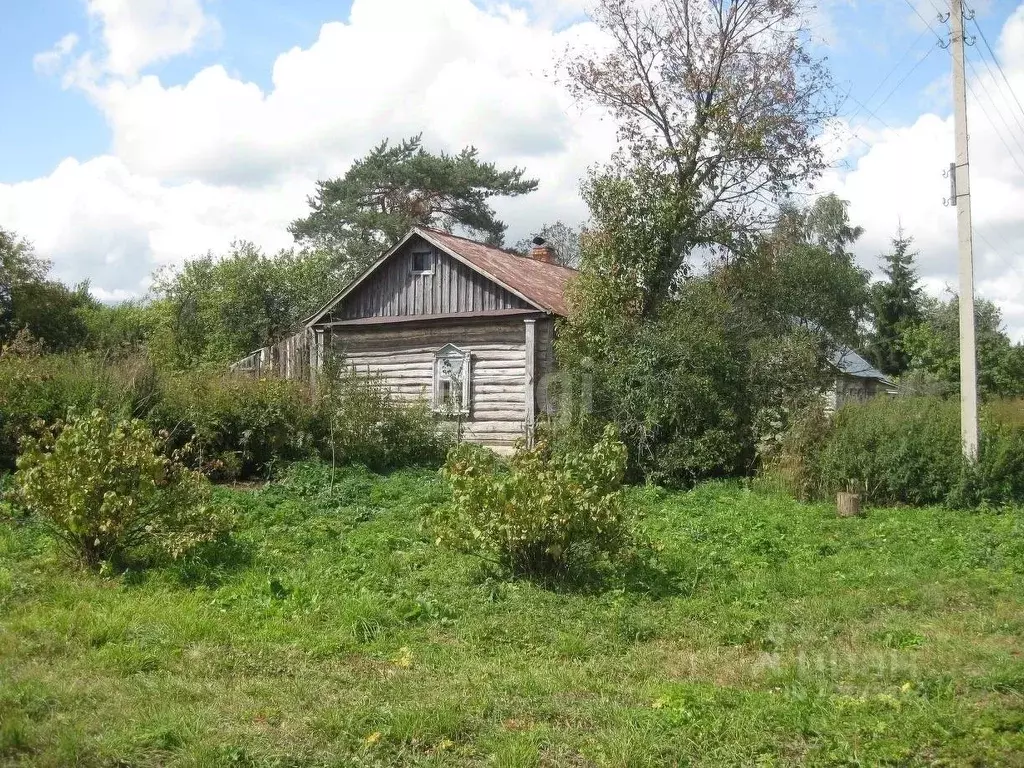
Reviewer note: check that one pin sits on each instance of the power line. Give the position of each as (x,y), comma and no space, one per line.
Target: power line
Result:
(999,90)
(862,106)
(891,72)
(924,20)
(988,117)
(999,66)
(997,254)
(1009,128)
(913,69)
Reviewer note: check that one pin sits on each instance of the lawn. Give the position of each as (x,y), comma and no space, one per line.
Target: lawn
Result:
(756,631)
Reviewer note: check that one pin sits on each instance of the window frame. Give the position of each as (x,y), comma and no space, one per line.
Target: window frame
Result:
(429,255)
(437,405)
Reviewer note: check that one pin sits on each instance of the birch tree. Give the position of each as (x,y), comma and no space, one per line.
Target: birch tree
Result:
(719,105)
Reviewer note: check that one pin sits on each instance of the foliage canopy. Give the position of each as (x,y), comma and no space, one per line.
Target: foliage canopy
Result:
(360,215)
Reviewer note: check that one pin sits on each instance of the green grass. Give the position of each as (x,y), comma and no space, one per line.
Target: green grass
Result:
(761,631)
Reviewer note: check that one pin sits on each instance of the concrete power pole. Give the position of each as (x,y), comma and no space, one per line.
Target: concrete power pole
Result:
(962,187)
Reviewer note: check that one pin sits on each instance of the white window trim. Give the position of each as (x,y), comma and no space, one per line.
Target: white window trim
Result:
(412,263)
(451,352)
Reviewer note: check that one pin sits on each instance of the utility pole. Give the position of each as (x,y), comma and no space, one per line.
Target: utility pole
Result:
(962,193)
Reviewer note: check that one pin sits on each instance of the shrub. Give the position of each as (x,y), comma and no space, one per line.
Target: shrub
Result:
(37,390)
(230,426)
(903,450)
(361,422)
(998,477)
(102,488)
(541,512)
(900,450)
(791,466)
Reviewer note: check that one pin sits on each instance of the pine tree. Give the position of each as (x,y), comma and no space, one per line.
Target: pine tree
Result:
(897,306)
(366,211)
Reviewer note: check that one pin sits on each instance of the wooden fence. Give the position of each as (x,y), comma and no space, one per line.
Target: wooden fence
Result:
(289,358)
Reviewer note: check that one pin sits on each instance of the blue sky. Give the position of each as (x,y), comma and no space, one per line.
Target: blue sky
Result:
(171,127)
(866,39)
(54,123)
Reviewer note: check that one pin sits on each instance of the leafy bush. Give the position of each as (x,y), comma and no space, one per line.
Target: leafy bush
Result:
(103,488)
(1007,411)
(227,426)
(903,450)
(790,467)
(540,513)
(230,426)
(696,389)
(998,477)
(361,422)
(37,390)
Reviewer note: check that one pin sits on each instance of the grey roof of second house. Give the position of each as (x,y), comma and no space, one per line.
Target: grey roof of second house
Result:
(849,362)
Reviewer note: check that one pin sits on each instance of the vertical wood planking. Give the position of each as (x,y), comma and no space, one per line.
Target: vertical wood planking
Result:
(393,290)
(530,391)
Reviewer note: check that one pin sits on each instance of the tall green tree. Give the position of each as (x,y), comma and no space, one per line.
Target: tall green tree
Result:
(395,186)
(719,106)
(896,304)
(30,299)
(703,384)
(217,310)
(933,345)
(19,266)
(804,270)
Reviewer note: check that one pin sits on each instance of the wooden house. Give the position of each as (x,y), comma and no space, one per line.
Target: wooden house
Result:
(467,326)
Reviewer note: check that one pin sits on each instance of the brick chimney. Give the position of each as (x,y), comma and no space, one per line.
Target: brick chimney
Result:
(542,251)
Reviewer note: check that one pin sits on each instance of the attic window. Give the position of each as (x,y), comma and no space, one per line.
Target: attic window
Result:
(422,263)
(452,371)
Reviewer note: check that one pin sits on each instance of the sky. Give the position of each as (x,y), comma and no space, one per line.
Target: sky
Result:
(138,133)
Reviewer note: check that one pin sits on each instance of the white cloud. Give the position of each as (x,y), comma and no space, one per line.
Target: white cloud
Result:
(196,165)
(100,222)
(137,33)
(49,62)
(452,70)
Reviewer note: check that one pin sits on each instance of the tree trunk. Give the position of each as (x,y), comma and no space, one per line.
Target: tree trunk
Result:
(848,504)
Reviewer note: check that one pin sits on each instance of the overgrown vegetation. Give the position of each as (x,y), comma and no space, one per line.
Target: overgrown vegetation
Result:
(359,421)
(763,631)
(227,426)
(104,490)
(36,390)
(904,450)
(542,513)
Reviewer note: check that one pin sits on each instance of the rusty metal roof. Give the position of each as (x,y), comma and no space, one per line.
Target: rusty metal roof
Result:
(398,319)
(538,282)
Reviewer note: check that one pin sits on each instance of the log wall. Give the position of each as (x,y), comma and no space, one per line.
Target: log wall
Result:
(403,356)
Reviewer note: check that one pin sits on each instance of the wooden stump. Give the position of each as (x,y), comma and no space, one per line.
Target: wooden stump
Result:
(848,504)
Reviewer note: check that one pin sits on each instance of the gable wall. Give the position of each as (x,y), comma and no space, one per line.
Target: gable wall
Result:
(394,291)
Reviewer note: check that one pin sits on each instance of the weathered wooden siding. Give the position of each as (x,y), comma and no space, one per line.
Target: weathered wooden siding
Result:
(395,291)
(287,359)
(852,389)
(403,355)
(546,385)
